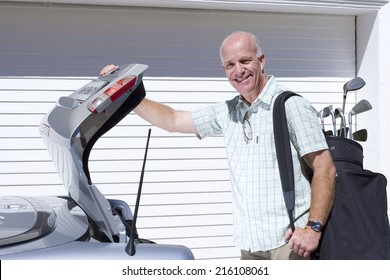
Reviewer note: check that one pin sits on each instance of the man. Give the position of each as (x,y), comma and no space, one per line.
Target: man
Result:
(260,216)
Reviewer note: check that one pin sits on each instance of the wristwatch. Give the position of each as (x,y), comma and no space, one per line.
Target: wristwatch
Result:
(315,225)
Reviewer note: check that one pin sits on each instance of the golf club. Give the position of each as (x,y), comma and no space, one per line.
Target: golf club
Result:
(352,85)
(360,107)
(333,119)
(338,113)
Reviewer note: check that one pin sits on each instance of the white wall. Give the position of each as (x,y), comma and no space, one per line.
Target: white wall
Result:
(373,56)
(373,43)
(384,89)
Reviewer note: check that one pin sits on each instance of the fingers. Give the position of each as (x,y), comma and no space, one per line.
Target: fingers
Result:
(301,252)
(293,244)
(297,248)
(288,235)
(108,69)
(302,243)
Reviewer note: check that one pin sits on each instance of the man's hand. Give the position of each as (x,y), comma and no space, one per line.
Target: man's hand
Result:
(108,69)
(303,241)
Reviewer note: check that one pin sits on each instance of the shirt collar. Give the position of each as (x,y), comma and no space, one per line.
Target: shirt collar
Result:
(239,108)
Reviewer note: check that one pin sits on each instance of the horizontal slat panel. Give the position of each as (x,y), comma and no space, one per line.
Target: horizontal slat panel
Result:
(118,178)
(130,141)
(24,155)
(193,220)
(20,119)
(32,189)
(165,176)
(40,84)
(29,179)
(200,242)
(157,188)
(182,232)
(192,153)
(16,167)
(178,198)
(163,141)
(10,143)
(186,209)
(124,191)
(159,165)
(27,95)
(27,108)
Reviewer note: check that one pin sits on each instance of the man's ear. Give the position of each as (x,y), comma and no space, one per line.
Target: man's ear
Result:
(262,62)
(262,59)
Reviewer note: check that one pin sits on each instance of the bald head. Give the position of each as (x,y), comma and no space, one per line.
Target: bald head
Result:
(239,36)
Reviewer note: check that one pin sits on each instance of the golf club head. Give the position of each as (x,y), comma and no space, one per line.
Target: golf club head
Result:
(323,114)
(354,84)
(360,135)
(338,112)
(329,132)
(361,106)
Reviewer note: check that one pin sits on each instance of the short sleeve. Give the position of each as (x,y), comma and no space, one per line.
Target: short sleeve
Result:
(208,120)
(305,130)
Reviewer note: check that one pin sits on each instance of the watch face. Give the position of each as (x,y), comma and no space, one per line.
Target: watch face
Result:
(315,225)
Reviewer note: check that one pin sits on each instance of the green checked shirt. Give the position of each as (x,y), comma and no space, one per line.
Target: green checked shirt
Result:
(259,211)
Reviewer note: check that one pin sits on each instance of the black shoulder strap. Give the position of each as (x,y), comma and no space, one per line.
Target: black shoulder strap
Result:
(283,152)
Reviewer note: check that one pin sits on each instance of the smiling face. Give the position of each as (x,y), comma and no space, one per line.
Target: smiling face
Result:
(242,66)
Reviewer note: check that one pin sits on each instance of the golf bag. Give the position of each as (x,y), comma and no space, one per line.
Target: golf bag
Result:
(358,226)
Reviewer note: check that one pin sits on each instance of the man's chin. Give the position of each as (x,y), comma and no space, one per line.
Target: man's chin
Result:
(243,90)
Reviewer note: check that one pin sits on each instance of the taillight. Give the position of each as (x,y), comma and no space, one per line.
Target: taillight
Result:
(100,103)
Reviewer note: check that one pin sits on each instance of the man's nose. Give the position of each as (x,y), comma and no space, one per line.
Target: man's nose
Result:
(238,68)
